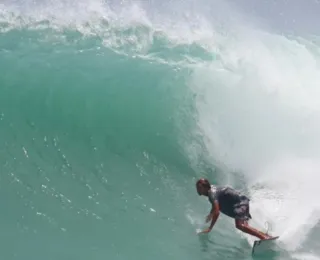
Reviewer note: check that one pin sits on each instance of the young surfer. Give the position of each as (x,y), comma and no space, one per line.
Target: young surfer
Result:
(229,202)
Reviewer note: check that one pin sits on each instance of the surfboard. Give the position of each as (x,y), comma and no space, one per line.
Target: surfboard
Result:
(262,246)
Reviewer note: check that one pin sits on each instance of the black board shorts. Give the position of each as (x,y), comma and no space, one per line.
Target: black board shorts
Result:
(238,210)
(241,210)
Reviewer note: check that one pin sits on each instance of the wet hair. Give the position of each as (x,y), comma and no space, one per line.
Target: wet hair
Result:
(204,182)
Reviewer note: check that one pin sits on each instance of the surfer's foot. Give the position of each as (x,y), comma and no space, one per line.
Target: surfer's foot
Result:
(266,236)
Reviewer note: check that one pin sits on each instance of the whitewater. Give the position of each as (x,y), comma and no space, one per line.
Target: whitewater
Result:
(111,110)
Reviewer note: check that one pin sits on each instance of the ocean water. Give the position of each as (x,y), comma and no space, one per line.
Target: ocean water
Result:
(110,111)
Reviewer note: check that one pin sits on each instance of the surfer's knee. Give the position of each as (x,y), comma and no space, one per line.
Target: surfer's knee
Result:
(240,224)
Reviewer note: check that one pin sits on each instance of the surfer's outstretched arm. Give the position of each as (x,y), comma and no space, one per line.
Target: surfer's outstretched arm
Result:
(214,214)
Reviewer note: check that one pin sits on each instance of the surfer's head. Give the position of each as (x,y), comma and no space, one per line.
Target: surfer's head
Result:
(203,186)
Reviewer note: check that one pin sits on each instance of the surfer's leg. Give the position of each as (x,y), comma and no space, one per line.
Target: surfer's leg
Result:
(244,227)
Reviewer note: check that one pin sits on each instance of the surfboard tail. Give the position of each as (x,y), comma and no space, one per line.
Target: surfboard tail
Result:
(263,245)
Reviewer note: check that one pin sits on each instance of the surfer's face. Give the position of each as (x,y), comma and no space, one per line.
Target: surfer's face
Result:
(201,189)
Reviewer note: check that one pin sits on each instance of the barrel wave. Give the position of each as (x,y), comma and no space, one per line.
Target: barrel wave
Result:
(110,111)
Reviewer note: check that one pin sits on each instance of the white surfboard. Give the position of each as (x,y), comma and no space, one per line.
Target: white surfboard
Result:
(263,246)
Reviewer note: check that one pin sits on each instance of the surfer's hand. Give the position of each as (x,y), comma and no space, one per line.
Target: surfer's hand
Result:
(208,218)
(205,231)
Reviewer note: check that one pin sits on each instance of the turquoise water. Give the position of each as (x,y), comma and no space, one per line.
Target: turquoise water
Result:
(109,113)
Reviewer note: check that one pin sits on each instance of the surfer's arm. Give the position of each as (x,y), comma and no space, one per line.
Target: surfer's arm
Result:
(214,214)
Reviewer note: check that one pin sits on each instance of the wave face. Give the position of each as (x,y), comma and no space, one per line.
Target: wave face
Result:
(109,111)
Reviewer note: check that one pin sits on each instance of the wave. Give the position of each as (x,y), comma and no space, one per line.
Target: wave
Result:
(201,93)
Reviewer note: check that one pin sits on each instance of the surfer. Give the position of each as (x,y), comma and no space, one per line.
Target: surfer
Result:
(229,202)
